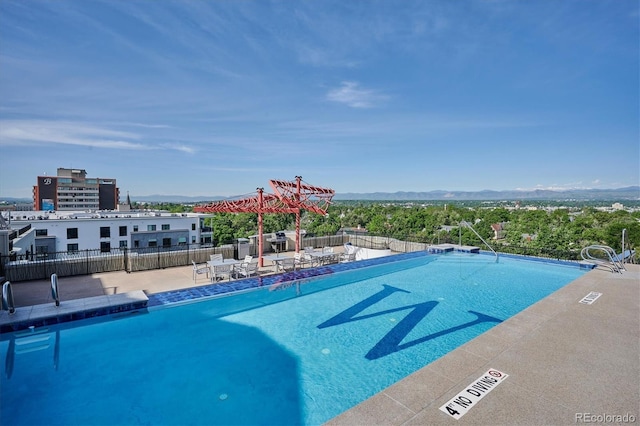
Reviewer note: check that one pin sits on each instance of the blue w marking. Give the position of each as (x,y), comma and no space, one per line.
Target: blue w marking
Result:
(391,342)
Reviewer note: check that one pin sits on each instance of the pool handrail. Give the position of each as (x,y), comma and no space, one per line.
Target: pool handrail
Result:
(615,264)
(54,289)
(8,303)
(468,225)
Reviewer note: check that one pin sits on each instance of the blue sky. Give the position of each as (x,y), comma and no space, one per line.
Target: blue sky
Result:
(215,98)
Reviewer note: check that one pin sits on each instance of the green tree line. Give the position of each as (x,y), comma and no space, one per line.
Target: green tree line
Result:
(558,229)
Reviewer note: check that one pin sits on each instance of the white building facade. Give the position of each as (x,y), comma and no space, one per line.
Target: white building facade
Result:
(56,232)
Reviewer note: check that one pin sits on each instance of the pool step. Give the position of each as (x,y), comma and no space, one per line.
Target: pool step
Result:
(48,314)
(447,248)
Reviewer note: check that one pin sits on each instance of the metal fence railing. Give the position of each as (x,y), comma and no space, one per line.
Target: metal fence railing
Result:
(37,266)
(84,262)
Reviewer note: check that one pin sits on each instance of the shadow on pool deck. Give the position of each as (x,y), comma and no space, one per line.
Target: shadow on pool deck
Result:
(567,362)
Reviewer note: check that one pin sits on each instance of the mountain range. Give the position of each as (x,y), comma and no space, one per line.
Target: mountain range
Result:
(628,193)
(619,194)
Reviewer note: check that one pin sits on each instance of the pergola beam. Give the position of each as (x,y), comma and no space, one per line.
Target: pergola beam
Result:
(289,197)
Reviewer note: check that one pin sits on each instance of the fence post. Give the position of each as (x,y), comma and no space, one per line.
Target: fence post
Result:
(126,260)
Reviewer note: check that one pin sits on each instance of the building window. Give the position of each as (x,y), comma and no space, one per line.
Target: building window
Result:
(182,241)
(153,243)
(193,239)
(123,231)
(165,227)
(136,243)
(42,252)
(166,242)
(105,247)
(41,232)
(135,228)
(151,227)
(193,226)
(123,244)
(105,232)
(72,248)
(72,234)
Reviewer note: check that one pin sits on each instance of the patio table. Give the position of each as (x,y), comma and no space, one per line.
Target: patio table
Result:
(276,260)
(323,258)
(218,267)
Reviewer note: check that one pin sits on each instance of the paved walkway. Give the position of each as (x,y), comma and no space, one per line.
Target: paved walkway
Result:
(566,362)
(36,292)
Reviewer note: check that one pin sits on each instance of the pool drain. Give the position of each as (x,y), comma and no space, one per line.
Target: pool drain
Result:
(223,396)
(326,351)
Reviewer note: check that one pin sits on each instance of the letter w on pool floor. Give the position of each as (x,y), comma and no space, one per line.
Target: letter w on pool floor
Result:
(391,342)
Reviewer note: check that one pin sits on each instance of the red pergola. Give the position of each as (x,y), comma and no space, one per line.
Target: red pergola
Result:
(289,197)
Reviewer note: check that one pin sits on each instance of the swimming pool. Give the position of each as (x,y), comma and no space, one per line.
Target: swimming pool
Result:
(289,353)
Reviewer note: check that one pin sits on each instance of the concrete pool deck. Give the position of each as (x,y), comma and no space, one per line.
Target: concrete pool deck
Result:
(566,362)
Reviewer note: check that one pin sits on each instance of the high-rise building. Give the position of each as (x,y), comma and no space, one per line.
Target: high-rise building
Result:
(71,189)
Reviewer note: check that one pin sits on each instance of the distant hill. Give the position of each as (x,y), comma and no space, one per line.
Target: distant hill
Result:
(628,193)
(619,194)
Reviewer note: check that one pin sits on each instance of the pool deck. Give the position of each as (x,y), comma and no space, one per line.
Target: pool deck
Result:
(567,362)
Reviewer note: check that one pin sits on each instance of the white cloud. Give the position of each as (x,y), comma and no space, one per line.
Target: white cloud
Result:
(351,94)
(179,147)
(19,132)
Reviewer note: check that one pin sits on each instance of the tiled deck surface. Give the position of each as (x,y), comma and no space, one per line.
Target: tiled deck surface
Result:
(564,359)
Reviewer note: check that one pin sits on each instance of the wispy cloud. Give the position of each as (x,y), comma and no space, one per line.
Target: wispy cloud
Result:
(350,93)
(179,147)
(561,186)
(19,132)
(147,126)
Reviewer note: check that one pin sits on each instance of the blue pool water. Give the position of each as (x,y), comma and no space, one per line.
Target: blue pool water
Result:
(297,353)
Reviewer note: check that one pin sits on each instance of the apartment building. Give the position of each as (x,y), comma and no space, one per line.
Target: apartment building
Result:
(72,190)
(44,233)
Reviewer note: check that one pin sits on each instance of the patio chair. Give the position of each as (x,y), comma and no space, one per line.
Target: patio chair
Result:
(288,264)
(331,257)
(199,270)
(245,269)
(347,257)
(216,257)
(349,254)
(220,271)
(299,260)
